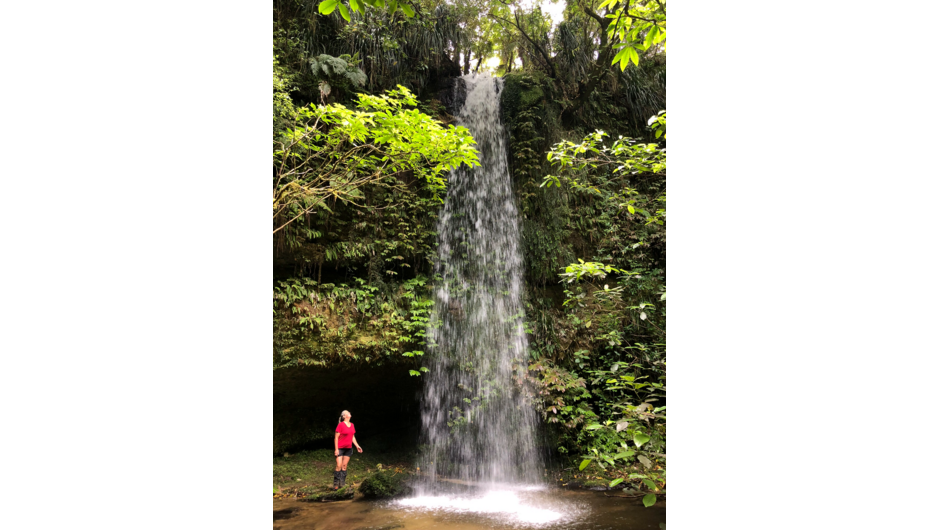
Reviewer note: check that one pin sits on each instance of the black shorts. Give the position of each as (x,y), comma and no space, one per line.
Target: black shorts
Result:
(345,452)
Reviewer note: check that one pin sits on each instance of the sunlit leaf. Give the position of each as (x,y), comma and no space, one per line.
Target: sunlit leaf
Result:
(327,6)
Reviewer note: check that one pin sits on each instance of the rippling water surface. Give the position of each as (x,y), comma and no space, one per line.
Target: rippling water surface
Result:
(509,509)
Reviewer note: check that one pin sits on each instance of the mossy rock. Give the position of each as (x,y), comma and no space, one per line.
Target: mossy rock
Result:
(384,484)
(345,493)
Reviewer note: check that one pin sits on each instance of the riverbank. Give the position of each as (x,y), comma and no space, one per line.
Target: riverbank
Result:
(309,474)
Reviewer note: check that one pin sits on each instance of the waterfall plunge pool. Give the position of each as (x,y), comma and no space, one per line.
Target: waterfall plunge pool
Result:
(511,508)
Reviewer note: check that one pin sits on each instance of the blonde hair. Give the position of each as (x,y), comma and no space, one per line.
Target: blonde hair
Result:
(343,415)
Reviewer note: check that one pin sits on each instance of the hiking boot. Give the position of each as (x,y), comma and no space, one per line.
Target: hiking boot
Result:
(336,479)
(342,479)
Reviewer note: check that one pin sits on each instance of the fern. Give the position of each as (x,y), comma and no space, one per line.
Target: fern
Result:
(336,68)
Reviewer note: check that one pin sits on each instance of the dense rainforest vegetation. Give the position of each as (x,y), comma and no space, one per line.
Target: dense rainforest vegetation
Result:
(364,136)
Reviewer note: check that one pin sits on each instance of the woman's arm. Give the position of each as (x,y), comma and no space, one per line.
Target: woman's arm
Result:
(356,443)
(336,445)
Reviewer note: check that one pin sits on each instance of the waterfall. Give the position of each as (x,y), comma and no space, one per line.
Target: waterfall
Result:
(478,422)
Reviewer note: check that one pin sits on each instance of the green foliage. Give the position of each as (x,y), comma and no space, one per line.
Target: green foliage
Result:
(532,124)
(384,484)
(358,6)
(604,382)
(332,152)
(637,26)
(328,325)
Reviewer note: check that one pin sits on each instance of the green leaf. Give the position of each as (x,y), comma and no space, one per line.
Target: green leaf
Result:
(660,36)
(392,6)
(649,483)
(625,454)
(345,12)
(595,426)
(615,482)
(631,209)
(355,5)
(585,463)
(327,6)
(651,36)
(640,439)
(634,56)
(620,55)
(414,372)
(407,10)
(625,60)
(649,500)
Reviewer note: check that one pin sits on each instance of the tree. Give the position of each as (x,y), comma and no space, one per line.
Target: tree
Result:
(627,26)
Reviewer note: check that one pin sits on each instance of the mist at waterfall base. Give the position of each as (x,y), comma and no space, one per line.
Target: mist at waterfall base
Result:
(478,424)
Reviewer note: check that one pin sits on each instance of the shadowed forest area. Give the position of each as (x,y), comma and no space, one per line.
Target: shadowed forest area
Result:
(365,95)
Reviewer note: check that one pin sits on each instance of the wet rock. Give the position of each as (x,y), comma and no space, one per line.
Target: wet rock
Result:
(342,494)
(453,94)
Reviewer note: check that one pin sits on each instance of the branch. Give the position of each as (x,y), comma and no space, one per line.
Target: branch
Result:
(541,51)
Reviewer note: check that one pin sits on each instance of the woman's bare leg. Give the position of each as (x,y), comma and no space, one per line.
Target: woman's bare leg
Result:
(345,461)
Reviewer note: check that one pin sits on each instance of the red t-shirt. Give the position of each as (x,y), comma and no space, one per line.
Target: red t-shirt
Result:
(345,434)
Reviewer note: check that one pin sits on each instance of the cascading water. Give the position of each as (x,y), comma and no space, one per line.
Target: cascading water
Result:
(478,424)
(479,427)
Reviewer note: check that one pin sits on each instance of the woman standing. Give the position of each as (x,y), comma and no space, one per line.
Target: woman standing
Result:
(343,441)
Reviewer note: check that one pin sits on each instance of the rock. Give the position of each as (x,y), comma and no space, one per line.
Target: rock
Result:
(342,494)
(453,94)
